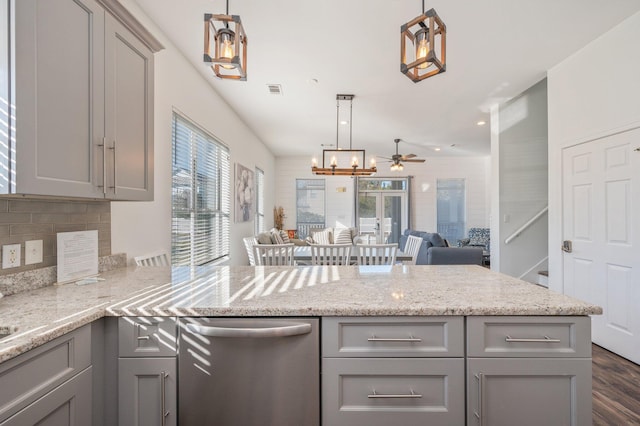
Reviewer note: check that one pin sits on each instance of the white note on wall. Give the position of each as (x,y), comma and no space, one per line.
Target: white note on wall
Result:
(77,255)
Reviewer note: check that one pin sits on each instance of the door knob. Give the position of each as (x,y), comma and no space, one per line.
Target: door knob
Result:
(567,246)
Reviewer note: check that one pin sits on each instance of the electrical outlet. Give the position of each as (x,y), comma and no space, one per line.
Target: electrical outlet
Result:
(11,256)
(32,252)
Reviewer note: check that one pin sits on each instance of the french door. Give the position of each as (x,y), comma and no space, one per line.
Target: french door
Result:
(383,212)
(601,226)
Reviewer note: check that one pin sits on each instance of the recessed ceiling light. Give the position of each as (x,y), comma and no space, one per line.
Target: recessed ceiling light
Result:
(481,123)
(436,149)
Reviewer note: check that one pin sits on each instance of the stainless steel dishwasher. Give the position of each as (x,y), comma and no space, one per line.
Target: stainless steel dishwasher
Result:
(249,371)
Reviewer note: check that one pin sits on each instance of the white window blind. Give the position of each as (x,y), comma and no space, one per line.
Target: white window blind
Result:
(259,201)
(201,196)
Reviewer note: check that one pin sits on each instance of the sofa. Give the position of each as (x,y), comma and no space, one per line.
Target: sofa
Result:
(435,250)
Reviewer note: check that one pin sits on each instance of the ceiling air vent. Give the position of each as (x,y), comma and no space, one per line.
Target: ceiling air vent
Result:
(274,89)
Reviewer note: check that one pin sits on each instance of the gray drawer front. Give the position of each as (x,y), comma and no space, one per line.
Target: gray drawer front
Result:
(147,336)
(437,386)
(29,376)
(529,336)
(393,337)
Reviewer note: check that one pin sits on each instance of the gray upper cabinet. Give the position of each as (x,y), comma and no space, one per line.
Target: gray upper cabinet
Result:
(80,88)
(128,115)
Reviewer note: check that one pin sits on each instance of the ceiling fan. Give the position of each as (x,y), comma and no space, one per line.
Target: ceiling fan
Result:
(397,159)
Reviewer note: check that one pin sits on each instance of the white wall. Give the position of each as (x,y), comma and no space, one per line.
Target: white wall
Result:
(593,93)
(521,191)
(142,227)
(340,205)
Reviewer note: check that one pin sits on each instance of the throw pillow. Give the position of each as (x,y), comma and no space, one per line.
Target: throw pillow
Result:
(285,236)
(436,240)
(343,236)
(322,237)
(264,238)
(277,239)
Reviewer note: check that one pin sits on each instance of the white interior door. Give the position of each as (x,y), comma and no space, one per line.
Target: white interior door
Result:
(601,217)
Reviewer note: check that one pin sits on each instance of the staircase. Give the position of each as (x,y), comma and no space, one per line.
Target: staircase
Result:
(543,278)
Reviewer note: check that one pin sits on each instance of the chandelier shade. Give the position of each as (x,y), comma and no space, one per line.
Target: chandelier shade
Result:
(225,48)
(343,162)
(423,46)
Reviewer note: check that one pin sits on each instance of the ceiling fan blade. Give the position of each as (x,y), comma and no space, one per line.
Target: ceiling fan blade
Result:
(404,157)
(414,160)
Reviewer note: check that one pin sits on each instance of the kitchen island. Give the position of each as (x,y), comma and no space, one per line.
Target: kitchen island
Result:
(467,304)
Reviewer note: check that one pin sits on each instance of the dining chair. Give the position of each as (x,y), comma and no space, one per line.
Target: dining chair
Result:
(152,259)
(273,254)
(377,254)
(330,254)
(411,248)
(249,242)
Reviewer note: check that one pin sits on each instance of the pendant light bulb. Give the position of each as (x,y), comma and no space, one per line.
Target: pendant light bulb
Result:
(226,45)
(422,47)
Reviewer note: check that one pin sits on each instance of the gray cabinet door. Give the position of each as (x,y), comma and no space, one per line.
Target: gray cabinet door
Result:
(129,114)
(147,391)
(528,391)
(67,405)
(59,86)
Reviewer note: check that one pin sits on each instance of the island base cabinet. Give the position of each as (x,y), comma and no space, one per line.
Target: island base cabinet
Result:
(67,405)
(528,392)
(378,391)
(147,391)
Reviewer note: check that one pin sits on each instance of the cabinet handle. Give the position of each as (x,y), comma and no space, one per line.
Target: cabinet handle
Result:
(412,339)
(163,391)
(115,170)
(137,332)
(478,412)
(546,339)
(382,395)
(104,166)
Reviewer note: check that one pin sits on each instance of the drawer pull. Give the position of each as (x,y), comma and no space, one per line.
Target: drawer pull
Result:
(143,337)
(406,339)
(546,339)
(381,395)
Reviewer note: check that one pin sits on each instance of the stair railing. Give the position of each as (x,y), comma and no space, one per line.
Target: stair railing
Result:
(526,225)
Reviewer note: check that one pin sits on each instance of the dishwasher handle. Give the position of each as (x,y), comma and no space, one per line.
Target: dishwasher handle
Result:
(284,331)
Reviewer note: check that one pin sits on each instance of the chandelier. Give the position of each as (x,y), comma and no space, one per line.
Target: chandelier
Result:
(227,52)
(427,34)
(343,162)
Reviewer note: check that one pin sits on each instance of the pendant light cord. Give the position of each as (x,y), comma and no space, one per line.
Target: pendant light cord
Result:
(337,121)
(422,6)
(350,121)
(226,24)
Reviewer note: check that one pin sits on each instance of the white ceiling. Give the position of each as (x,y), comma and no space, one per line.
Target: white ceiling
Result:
(495,50)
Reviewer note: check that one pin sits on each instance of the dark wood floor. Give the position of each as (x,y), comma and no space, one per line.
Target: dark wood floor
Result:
(616,389)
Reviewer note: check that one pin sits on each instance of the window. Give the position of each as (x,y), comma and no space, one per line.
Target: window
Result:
(310,206)
(200,196)
(451,209)
(259,201)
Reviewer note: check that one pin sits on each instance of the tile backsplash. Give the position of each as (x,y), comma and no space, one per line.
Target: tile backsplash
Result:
(37,219)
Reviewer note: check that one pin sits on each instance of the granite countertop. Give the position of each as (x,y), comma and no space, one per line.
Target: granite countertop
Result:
(38,316)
